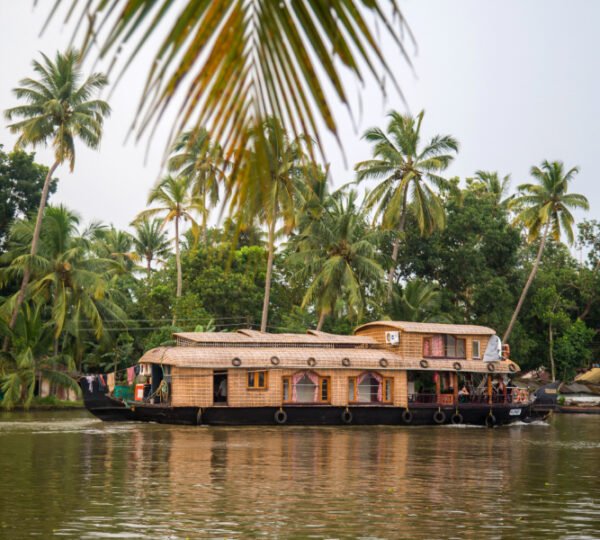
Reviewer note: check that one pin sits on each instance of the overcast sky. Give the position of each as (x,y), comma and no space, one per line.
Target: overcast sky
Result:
(515,81)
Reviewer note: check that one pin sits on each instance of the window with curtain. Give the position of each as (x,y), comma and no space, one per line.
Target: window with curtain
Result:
(444,346)
(370,387)
(306,387)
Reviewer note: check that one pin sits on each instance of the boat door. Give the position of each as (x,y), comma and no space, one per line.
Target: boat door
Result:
(220,387)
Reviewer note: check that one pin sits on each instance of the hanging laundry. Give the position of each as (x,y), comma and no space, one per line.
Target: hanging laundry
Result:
(110,381)
(101,382)
(130,374)
(90,380)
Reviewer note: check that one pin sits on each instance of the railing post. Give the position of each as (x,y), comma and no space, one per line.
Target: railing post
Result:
(489,388)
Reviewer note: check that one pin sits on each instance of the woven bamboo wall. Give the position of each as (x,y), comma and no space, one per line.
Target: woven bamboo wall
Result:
(411,344)
(194,387)
(191,387)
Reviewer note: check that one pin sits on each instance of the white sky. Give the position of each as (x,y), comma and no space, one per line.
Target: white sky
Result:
(515,81)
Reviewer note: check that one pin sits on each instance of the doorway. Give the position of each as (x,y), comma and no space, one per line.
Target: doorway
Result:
(220,387)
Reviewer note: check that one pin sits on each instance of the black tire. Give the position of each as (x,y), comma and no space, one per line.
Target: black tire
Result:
(439,417)
(383,362)
(512,367)
(424,363)
(280,417)
(311,362)
(490,420)
(407,416)
(346,362)
(347,417)
(457,366)
(274,360)
(491,367)
(457,418)
(237,362)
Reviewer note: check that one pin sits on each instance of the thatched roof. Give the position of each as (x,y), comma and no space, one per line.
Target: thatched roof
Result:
(301,358)
(312,338)
(430,328)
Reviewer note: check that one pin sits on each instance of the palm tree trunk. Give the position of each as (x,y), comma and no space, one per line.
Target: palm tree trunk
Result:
(34,247)
(148,266)
(271,249)
(396,250)
(532,274)
(551,342)
(204,220)
(178,265)
(322,317)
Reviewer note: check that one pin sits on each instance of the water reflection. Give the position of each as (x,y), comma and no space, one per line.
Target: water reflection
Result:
(71,477)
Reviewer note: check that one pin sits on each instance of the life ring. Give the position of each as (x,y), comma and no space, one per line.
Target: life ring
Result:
(199,417)
(311,362)
(439,416)
(274,360)
(456,418)
(346,417)
(345,362)
(491,367)
(512,367)
(237,362)
(383,362)
(424,363)
(280,417)
(457,366)
(490,420)
(407,416)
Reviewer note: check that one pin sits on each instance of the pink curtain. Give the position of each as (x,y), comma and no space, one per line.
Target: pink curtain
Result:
(437,345)
(427,347)
(313,379)
(375,376)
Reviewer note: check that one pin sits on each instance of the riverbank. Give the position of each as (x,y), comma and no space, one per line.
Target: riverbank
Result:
(50,403)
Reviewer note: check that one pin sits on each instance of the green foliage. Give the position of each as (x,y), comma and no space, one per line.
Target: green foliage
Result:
(573,350)
(21,181)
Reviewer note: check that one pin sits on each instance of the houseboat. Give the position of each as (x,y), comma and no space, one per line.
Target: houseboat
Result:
(388,372)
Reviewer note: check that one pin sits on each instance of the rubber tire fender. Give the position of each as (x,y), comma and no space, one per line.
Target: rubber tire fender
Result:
(439,416)
(490,420)
(280,417)
(407,416)
(457,418)
(347,417)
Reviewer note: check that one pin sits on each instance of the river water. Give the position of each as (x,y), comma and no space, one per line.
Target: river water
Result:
(67,475)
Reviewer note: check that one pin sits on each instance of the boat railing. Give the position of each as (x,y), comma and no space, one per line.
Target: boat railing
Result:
(476,398)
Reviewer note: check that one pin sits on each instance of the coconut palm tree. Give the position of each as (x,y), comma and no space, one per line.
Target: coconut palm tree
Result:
(338,255)
(150,241)
(68,277)
(176,203)
(408,174)
(234,63)
(195,155)
(59,108)
(491,183)
(278,165)
(418,301)
(544,209)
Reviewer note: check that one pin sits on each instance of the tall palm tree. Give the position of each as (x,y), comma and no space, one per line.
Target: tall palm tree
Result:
(59,108)
(338,255)
(196,156)
(408,175)
(150,241)
(67,276)
(245,60)
(544,208)
(418,301)
(491,183)
(173,196)
(278,165)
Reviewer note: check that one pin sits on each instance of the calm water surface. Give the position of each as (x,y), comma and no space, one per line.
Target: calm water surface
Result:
(68,475)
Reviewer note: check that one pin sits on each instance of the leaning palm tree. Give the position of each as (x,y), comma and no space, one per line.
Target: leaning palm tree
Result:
(338,255)
(544,208)
(408,175)
(59,108)
(172,194)
(231,64)
(278,165)
(196,156)
(150,241)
